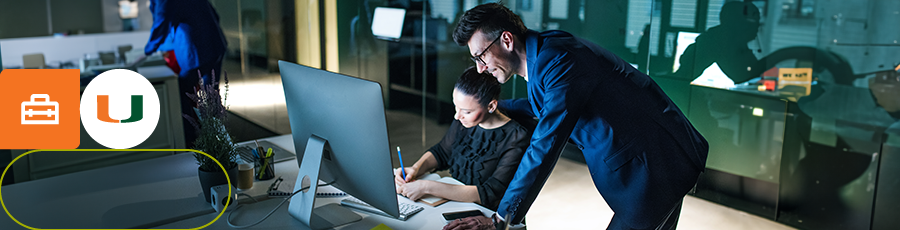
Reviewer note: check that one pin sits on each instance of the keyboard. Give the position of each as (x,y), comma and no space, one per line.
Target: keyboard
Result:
(406,210)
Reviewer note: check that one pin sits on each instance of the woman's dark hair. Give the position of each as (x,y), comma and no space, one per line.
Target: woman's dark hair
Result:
(483,86)
(492,19)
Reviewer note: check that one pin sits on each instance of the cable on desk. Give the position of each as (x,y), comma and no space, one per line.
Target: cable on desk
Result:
(248,196)
(228,218)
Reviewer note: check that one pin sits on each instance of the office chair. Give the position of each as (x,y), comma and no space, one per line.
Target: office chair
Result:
(123,49)
(107,58)
(33,61)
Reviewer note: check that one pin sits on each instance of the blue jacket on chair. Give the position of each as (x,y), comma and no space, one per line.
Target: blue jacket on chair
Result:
(643,153)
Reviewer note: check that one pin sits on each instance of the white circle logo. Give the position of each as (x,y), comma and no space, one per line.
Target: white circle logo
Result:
(119,109)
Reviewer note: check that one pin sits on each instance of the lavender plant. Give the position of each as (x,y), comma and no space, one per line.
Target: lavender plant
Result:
(213,138)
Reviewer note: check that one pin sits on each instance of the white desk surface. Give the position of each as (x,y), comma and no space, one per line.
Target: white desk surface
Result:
(165,193)
(430,218)
(137,194)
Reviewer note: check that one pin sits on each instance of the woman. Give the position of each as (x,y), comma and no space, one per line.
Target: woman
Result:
(482,148)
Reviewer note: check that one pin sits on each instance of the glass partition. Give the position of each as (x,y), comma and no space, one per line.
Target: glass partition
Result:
(823,76)
(425,60)
(418,69)
(258,33)
(797,97)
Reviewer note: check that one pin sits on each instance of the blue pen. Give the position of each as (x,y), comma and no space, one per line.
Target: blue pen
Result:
(402,171)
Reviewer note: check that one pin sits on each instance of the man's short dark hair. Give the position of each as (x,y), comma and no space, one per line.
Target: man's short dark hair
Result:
(492,19)
(484,87)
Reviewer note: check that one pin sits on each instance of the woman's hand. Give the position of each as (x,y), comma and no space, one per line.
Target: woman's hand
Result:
(415,190)
(473,222)
(410,175)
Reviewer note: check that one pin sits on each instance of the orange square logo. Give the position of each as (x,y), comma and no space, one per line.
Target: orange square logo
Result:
(40,109)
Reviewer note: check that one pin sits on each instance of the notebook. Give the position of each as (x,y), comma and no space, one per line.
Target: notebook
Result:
(434,201)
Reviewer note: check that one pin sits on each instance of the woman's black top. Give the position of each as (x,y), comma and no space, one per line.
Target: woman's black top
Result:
(486,158)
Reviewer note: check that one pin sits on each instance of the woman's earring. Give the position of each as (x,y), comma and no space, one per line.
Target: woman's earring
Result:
(491,111)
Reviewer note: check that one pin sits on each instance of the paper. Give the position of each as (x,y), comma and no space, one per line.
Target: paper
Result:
(433,200)
(713,76)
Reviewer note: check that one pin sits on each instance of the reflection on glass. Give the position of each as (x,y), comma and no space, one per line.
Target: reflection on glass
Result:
(388,22)
(805,93)
(725,45)
(745,131)
(841,91)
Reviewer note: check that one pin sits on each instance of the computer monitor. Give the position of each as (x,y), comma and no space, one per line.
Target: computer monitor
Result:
(388,23)
(340,135)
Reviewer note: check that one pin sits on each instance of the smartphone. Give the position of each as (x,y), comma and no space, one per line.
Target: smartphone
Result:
(449,216)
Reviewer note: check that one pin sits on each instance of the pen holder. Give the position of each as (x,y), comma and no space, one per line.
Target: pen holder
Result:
(265,168)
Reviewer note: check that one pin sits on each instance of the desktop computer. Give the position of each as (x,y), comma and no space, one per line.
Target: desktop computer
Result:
(340,135)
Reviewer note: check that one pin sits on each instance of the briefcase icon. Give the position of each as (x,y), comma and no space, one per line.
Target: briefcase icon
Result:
(36,112)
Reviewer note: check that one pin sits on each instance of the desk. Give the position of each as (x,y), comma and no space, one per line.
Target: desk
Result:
(165,193)
(745,130)
(430,218)
(68,48)
(811,164)
(133,195)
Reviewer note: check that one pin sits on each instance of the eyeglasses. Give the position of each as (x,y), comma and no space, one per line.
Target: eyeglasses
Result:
(477,58)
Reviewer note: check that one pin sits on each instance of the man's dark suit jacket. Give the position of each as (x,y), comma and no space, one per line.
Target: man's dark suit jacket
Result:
(643,153)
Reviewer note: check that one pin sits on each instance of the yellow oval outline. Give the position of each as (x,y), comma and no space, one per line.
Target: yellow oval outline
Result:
(116,150)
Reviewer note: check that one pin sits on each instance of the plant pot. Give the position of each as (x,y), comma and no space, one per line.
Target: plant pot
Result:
(210,179)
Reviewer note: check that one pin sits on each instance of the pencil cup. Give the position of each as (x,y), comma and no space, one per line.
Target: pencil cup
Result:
(265,168)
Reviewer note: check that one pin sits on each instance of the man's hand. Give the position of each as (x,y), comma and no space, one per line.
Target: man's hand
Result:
(474,222)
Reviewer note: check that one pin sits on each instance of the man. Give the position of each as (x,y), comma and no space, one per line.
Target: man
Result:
(189,30)
(642,152)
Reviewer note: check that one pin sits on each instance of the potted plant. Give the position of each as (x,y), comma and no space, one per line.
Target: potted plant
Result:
(213,138)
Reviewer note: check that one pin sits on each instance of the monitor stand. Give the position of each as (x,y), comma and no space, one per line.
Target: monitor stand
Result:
(302,204)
